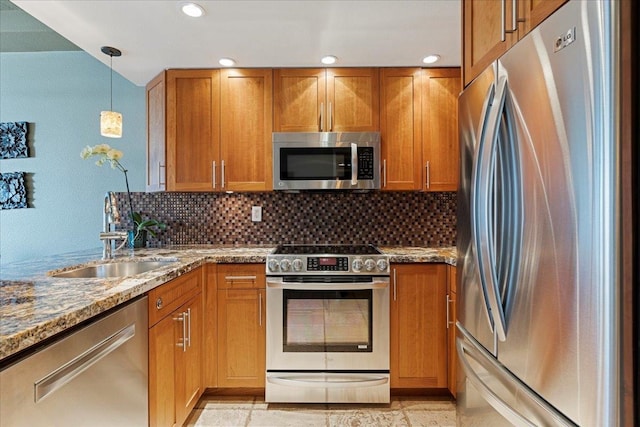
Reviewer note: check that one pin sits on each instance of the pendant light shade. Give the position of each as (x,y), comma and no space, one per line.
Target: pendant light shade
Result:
(111,121)
(111,124)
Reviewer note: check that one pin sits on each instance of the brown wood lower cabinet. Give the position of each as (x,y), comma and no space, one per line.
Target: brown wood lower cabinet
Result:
(452,300)
(175,349)
(241,325)
(418,326)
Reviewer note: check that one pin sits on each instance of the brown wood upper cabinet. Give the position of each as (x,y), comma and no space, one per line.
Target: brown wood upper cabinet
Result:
(326,100)
(401,128)
(491,27)
(245,129)
(419,128)
(440,151)
(156,127)
(208,148)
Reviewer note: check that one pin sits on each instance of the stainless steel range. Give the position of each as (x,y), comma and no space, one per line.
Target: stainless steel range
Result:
(327,324)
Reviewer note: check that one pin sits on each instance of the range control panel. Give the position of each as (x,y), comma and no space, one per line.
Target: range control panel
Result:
(281,265)
(328,263)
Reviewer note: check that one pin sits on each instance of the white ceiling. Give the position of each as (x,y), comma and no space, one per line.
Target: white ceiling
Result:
(154,35)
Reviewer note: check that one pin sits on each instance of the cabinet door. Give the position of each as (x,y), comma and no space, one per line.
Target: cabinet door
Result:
(418,326)
(451,330)
(353,100)
(193,126)
(210,328)
(241,338)
(156,162)
(485,34)
(246,123)
(401,128)
(440,152)
(299,99)
(188,357)
(536,11)
(162,346)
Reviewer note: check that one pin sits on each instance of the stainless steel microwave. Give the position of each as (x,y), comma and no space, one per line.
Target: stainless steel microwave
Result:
(326,160)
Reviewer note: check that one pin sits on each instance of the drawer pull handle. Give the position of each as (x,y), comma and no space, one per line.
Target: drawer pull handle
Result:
(240,278)
(159,303)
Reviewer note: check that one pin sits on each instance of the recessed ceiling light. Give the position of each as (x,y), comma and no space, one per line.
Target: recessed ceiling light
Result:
(329,59)
(192,9)
(227,62)
(430,59)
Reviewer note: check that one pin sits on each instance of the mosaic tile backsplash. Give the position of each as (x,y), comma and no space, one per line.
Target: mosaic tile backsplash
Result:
(380,218)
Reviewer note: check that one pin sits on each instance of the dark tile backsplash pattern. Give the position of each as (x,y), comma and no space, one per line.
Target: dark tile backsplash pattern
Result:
(381,218)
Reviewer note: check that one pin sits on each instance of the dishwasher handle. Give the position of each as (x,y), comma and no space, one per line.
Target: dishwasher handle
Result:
(67,372)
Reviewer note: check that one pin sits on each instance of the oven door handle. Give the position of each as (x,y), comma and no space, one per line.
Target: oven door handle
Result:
(336,382)
(279,283)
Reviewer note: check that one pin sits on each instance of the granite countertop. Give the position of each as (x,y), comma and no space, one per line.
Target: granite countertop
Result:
(35,306)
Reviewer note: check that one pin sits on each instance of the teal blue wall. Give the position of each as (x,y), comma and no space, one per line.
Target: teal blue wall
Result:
(61,95)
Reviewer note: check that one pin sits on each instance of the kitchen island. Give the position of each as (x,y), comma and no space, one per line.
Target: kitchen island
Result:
(34,306)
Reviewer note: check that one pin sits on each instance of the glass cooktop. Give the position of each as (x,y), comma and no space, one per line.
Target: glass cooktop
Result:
(326,250)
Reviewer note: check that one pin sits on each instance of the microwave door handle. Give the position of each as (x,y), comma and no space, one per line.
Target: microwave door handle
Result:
(354,164)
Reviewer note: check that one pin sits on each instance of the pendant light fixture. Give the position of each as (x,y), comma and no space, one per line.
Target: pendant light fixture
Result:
(111,121)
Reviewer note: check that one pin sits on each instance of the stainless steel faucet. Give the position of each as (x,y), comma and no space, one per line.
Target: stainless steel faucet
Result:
(111,216)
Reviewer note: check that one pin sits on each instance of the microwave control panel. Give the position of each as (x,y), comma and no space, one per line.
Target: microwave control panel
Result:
(365,163)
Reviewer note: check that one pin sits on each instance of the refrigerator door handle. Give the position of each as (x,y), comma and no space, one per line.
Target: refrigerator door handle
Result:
(486,109)
(481,218)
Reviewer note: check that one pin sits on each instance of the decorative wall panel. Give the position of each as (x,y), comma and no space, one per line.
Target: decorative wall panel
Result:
(13,194)
(13,140)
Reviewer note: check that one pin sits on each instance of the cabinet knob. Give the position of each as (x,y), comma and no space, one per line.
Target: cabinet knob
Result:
(159,303)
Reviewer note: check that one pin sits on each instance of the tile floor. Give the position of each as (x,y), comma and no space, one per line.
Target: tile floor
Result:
(253,411)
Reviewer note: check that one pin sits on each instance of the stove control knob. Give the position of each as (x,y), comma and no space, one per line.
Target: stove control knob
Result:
(382,264)
(285,265)
(297,264)
(356,265)
(369,264)
(274,265)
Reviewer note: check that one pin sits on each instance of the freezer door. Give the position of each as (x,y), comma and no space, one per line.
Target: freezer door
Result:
(560,324)
(474,106)
(491,396)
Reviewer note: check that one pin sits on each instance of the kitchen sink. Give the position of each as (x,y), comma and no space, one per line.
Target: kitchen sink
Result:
(113,269)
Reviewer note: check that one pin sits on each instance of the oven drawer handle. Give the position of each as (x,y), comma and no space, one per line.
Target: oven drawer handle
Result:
(305,381)
(280,284)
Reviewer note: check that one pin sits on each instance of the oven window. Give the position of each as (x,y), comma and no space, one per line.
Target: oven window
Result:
(327,321)
(315,163)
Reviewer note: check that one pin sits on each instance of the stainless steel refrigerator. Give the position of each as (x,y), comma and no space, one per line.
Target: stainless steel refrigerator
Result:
(538,264)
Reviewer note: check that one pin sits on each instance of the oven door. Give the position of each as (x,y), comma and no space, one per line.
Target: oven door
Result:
(328,326)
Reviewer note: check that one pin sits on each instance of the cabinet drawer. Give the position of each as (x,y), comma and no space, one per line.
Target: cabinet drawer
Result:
(166,298)
(241,276)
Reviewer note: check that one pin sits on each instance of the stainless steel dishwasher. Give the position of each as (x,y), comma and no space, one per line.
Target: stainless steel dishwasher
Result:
(95,376)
